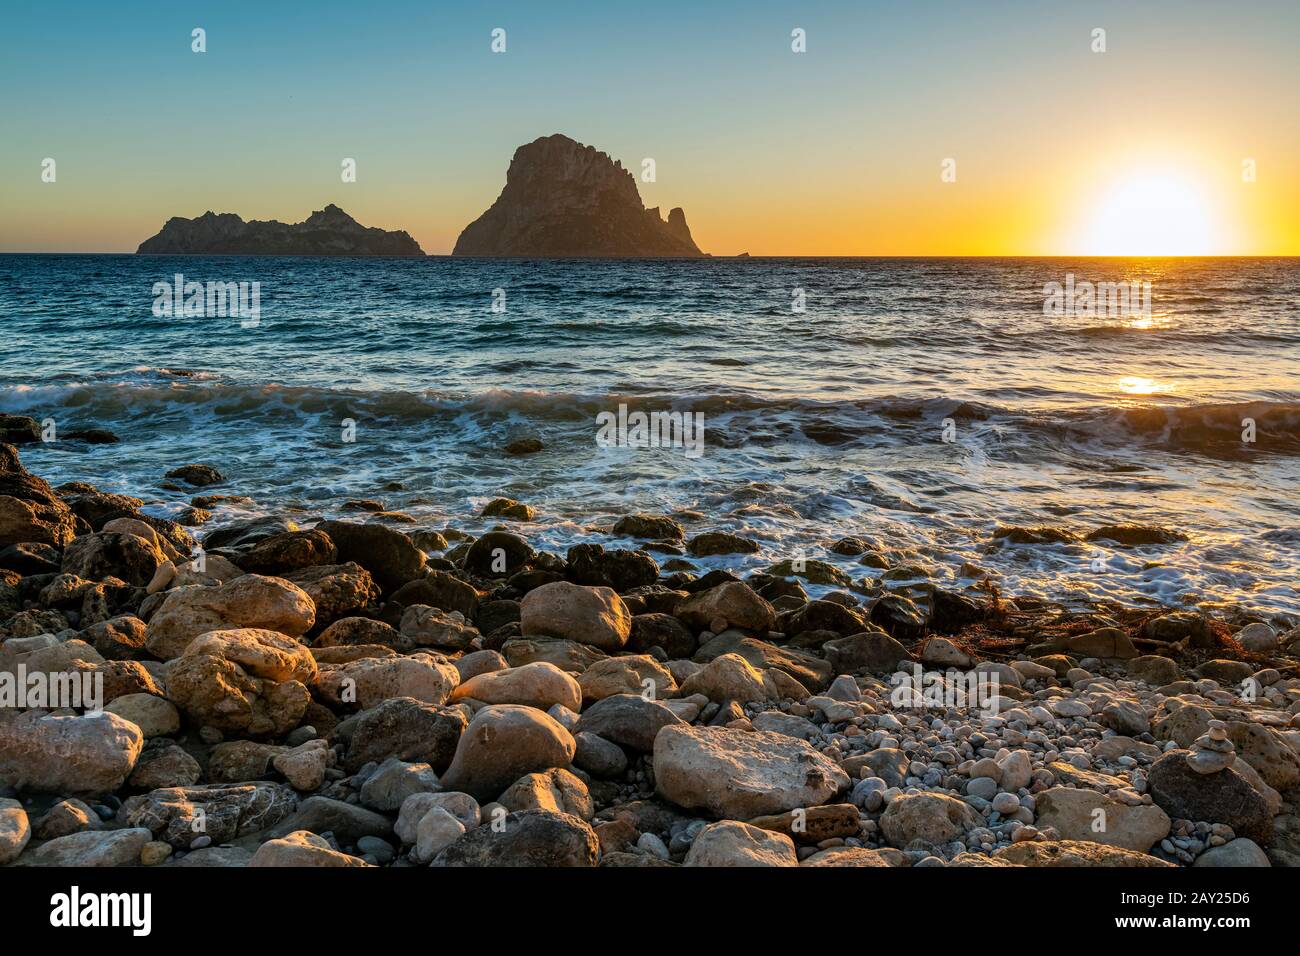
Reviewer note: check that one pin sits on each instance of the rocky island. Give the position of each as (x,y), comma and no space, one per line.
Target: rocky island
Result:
(562,199)
(326,232)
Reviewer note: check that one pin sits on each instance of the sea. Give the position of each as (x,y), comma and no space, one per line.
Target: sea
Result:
(925,405)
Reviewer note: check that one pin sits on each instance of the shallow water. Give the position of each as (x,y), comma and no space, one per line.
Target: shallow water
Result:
(818,424)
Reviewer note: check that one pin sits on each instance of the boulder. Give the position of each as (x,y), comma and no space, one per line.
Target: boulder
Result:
(731,604)
(731,843)
(1075,815)
(407,729)
(629,674)
(337,590)
(525,838)
(90,848)
(302,848)
(247,601)
(67,755)
(738,774)
(180,815)
(556,790)
(390,556)
(538,684)
(369,681)
(628,720)
(595,616)
(15,830)
(1073,853)
(503,743)
(933,818)
(1222,797)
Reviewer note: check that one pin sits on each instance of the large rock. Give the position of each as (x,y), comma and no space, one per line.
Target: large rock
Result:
(337,590)
(498,554)
(180,815)
(407,729)
(326,232)
(347,821)
(503,743)
(390,556)
(1222,797)
(372,680)
(739,774)
(15,830)
(871,651)
(29,509)
(626,674)
(218,692)
(628,720)
(812,672)
(556,790)
(67,755)
(595,616)
(539,685)
(731,604)
(525,838)
(1267,752)
(1074,814)
(731,677)
(425,626)
(248,601)
(290,551)
(302,848)
(259,652)
(568,656)
(562,198)
(1238,852)
(91,848)
(112,554)
(933,818)
(1073,853)
(731,843)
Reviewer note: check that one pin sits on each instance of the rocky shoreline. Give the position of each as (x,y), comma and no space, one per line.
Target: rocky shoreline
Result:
(371,693)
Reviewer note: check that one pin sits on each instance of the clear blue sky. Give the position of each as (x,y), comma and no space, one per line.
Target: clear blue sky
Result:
(833,150)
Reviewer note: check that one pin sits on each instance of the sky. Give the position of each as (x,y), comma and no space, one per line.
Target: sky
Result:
(838,150)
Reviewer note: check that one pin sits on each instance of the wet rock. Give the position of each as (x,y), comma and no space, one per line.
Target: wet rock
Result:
(390,556)
(899,616)
(508,508)
(720,542)
(200,476)
(823,616)
(498,554)
(621,570)
(29,509)
(649,527)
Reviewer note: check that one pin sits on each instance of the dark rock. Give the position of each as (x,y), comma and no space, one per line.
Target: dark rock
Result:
(199,476)
(388,555)
(347,821)
(562,198)
(494,614)
(620,569)
(497,554)
(649,527)
(720,542)
(821,616)
(899,616)
(440,589)
(290,551)
(951,612)
(407,729)
(29,557)
(527,838)
(19,429)
(1222,797)
(661,630)
(873,651)
(327,232)
(627,720)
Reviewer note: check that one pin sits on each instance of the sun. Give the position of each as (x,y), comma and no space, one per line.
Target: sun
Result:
(1157,214)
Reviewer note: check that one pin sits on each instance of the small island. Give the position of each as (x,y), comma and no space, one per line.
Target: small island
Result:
(326,232)
(563,199)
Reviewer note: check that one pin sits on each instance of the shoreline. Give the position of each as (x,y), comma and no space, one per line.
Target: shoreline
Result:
(427,696)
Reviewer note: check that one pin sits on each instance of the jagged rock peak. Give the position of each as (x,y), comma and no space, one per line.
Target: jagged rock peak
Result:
(562,198)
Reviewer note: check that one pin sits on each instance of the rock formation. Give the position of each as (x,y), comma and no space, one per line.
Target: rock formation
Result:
(565,199)
(327,232)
